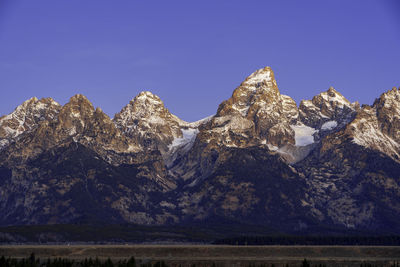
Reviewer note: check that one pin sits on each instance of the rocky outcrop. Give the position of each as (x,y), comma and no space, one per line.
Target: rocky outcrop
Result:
(249,186)
(71,183)
(328,108)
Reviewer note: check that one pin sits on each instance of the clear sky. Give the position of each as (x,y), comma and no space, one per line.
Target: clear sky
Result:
(193,54)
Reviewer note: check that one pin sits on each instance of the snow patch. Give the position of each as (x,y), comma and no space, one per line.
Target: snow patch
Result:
(243,111)
(72,131)
(188,136)
(149,96)
(303,134)
(259,76)
(329,125)
(338,99)
(272,147)
(41,105)
(194,124)
(156,120)
(133,148)
(308,103)
(293,154)
(75,114)
(202,121)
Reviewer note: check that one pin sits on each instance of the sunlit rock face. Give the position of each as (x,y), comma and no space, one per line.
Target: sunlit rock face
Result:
(146,120)
(256,112)
(261,159)
(26,118)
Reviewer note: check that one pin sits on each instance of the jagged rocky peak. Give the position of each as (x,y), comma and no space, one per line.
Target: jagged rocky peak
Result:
(327,110)
(27,116)
(78,106)
(257,110)
(334,99)
(79,118)
(77,122)
(259,87)
(388,112)
(389,96)
(389,100)
(147,121)
(145,106)
(75,114)
(378,126)
(263,79)
(148,103)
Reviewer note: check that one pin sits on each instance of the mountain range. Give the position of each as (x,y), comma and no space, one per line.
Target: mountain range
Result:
(260,160)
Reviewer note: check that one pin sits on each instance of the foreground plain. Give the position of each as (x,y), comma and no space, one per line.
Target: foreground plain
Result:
(205,255)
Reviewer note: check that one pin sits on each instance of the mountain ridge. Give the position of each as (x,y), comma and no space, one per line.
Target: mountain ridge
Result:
(260,159)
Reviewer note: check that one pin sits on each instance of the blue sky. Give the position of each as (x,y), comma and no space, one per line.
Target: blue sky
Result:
(193,54)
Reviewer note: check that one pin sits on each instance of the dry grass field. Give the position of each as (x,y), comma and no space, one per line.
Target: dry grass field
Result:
(221,255)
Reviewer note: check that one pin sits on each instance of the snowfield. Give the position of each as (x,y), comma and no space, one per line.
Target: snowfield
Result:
(303,134)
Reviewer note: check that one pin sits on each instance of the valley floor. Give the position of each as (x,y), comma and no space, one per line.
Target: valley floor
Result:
(205,255)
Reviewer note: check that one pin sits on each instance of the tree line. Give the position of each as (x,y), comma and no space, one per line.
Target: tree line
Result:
(311,240)
(32,261)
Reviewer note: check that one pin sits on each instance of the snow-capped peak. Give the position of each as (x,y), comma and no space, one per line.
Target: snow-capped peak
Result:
(327,106)
(147,121)
(145,95)
(390,98)
(147,104)
(257,90)
(146,107)
(333,96)
(260,79)
(260,75)
(27,116)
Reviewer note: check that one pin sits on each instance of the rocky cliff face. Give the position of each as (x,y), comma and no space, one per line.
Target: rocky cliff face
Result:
(26,118)
(259,160)
(255,113)
(325,107)
(148,123)
(353,173)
